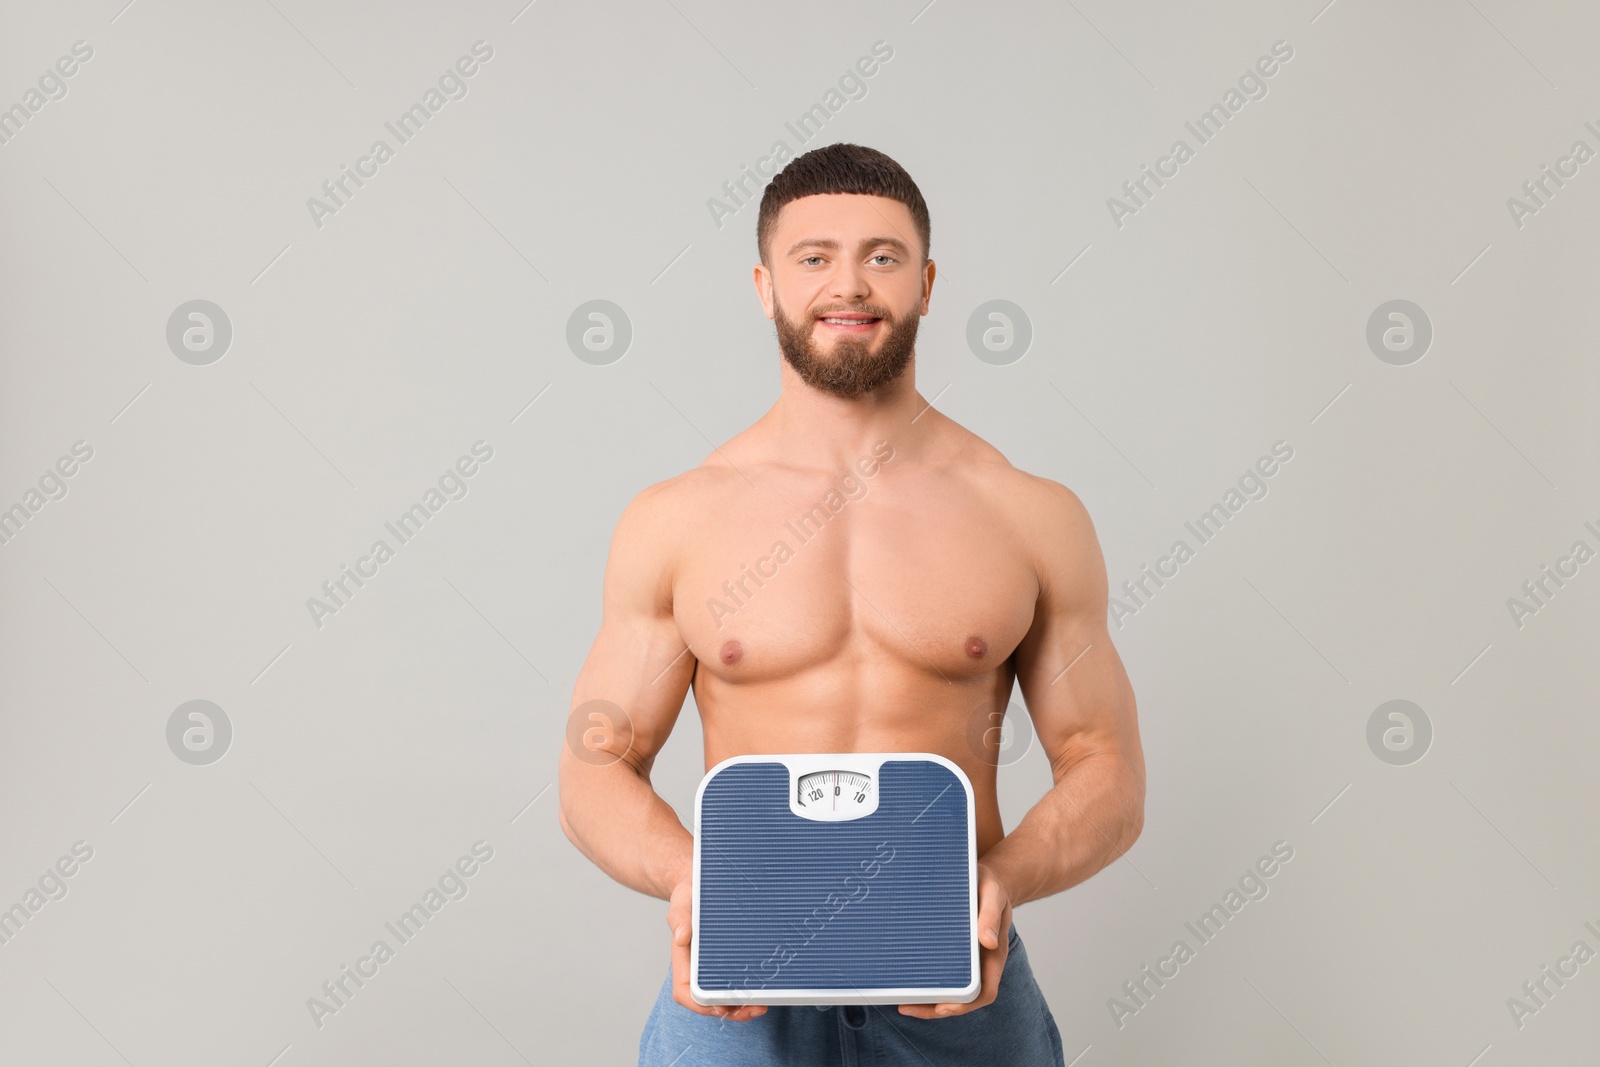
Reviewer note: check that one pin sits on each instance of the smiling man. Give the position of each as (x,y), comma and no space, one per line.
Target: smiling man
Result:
(898,624)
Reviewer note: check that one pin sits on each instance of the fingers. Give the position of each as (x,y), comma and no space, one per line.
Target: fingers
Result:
(680,989)
(736,1013)
(994,916)
(989,909)
(991,963)
(741,1013)
(994,906)
(680,973)
(680,978)
(680,969)
(992,969)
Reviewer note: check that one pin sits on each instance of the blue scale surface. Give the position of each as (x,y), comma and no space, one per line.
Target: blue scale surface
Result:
(765,873)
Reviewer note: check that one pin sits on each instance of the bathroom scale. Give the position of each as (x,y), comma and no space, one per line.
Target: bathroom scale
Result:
(835,878)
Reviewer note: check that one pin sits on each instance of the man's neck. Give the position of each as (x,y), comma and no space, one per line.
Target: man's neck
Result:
(833,431)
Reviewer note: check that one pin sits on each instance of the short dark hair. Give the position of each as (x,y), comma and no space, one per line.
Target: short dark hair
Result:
(840,168)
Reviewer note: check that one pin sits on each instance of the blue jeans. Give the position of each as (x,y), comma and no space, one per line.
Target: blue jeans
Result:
(1016,1030)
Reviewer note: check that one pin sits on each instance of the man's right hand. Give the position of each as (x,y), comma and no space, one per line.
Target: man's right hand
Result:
(680,915)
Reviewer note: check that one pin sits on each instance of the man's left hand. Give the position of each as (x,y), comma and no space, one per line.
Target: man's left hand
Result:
(994,924)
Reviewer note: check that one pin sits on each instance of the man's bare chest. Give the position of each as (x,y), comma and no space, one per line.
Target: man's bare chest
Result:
(779,586)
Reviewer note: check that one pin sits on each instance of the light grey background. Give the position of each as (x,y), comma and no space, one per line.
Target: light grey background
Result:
(1228,313)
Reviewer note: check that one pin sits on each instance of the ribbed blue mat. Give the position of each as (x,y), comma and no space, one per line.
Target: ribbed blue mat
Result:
(901,920)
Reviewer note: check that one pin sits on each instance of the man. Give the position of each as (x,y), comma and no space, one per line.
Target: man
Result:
(855,573)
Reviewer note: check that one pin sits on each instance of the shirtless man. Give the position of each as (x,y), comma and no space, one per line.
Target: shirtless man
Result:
(926,576)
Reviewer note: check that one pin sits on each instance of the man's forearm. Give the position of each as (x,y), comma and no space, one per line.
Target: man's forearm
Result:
(616,819)
(1087,819)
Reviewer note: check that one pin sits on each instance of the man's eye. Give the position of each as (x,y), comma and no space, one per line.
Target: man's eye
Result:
(808,259)
(884,255)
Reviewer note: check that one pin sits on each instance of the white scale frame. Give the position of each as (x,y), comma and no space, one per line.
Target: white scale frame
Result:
(868,763)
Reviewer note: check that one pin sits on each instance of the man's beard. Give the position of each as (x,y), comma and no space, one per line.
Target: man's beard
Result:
(851,369)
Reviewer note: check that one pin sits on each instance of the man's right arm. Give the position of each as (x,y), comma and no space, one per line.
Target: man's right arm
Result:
(640,664)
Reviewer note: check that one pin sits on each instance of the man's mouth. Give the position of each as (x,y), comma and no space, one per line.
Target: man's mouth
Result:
(849,323)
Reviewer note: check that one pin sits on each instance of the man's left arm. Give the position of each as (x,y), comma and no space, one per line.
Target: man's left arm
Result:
(1082,708)
(1083,713)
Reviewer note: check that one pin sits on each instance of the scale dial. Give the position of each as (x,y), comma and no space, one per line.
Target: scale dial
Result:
(836,794)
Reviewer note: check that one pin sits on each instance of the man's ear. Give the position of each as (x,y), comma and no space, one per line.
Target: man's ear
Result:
(763,281)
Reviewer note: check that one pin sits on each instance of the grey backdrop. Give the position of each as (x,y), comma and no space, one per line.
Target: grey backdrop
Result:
(376,339)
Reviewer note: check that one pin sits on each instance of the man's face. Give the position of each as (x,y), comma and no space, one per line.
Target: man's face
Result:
(847,288)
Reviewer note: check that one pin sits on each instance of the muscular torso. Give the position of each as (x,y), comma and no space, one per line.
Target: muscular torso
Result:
(882,619)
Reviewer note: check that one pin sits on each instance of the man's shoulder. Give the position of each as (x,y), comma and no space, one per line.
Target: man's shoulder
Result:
(1055,525)
(1051,505)
(1032,500)
(662,510)
(1044,515)
(646,545)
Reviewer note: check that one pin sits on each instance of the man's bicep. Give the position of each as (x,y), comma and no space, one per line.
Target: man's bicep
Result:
(1072,678)
(638,662)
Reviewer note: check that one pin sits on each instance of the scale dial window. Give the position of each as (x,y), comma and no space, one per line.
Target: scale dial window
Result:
(835,794)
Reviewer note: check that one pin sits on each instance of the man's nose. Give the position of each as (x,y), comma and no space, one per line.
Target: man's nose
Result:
(849,283)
